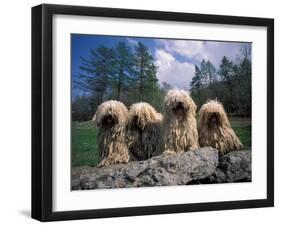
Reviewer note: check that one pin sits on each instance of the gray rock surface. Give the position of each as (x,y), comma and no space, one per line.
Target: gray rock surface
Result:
(235,166)
(177,169)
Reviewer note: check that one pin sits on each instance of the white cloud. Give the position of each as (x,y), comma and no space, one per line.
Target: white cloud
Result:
(199,50)
(182,47)
(178,73)
(174,72)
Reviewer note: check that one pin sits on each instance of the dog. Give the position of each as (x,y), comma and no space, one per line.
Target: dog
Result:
(215,130)
(111,118)
(179,130)
(143,131)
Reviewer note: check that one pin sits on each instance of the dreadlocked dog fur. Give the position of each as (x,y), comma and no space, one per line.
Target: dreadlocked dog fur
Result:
(179,132)
(215,130)
(111,118)
(143,131)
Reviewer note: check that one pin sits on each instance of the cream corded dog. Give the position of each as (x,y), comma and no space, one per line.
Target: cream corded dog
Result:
(143,131)
(179,132)
(111,118)
(215,130)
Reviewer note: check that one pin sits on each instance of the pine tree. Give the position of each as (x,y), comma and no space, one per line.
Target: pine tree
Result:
(245,91)
(124,66)
(151,84)
(211,72)
(166,86)
(196,85)
(144,68)
(204,73)
(226,69)
(99,70)
(246,51)
(196,82)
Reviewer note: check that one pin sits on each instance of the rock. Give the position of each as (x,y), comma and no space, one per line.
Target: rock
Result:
(176,169)
(233,167)
(201,166)
(236,166)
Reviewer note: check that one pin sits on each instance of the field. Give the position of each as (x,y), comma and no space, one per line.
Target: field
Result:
(84,136)
(84,145)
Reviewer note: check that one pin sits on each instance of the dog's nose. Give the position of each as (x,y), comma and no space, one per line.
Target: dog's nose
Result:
(180,104)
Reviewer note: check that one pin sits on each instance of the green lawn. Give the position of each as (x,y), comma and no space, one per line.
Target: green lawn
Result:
(243,129)
(84,140)
(84,144)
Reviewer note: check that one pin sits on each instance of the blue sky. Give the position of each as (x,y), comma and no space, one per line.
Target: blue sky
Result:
(175,58)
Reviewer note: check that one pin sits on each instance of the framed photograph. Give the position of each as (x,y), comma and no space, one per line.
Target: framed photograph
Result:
(145,112)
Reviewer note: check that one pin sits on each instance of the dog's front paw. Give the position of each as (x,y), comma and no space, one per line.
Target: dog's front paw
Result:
(102,163)
(169,152)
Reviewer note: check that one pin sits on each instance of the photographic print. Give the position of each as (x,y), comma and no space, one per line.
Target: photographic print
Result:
(151,112)
(138,112)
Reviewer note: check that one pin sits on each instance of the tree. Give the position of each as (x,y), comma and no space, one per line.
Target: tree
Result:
(124,62)
(145,69)
(207,72)
(226,69)
(98,70)
(245,72)
(211,72)
(121,74)
(246,51)
(196,85)
(166,87)
(203,73)
(151,86)
(196,82)
(232,87)
(81,108)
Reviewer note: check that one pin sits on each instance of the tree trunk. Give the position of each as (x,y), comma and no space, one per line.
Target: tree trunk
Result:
(119,82)
(141,80)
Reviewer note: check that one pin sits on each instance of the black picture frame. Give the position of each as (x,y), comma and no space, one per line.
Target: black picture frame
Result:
(42,111)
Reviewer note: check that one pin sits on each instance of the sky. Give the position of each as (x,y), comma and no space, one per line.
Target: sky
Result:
(175,59)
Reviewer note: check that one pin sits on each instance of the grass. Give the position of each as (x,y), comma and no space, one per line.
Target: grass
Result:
(243,129)
(84,140)
(84,144)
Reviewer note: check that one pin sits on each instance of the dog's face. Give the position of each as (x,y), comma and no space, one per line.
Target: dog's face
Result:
(109,120)
(214,119)
(110,113)
(138,122)
(140,114)
(180,109)
(179,103)
(213,115)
